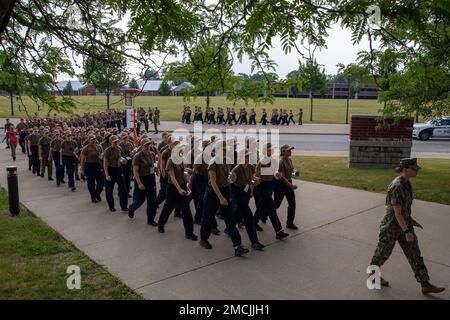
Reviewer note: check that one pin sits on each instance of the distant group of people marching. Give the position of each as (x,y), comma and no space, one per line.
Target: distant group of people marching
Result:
(98,149)
(230,116)
(145,118)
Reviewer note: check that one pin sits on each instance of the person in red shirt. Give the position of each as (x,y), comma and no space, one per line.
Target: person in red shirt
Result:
(11,134)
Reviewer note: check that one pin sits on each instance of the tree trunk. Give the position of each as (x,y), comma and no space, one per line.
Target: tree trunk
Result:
(6,9)
(207,99)
(107,100)
(417,116)
(12,102)
(311,113)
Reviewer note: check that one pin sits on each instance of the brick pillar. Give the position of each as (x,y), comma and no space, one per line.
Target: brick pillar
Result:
(379,143)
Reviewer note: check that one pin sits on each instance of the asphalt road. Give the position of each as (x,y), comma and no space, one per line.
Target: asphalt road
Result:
(341,143)
(336,143)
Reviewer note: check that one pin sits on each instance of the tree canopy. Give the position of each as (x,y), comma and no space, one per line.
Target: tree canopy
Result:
(151,74)
(313,79)
(42,37)
(68,90)
(133,84)
(207,68)
(106,74)
(164,89)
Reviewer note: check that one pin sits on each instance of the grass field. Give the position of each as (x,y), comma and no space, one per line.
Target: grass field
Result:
(325,110)
(34,258)
(431,184)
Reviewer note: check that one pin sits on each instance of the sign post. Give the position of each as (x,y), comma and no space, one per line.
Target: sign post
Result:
(129,94)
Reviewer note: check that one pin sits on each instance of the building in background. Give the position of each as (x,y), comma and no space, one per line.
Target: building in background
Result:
(335,91)
(177,90)
(148,88)
(151,88)
(78,88)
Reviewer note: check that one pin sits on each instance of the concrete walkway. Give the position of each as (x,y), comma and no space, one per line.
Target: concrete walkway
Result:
(326,259)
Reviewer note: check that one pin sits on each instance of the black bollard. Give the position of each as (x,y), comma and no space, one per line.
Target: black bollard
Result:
(13,191)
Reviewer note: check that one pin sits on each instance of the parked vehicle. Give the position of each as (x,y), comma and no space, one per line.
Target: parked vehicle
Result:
(436,128)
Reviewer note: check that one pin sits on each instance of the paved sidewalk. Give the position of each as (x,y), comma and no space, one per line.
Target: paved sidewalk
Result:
(326,259)
(328,129)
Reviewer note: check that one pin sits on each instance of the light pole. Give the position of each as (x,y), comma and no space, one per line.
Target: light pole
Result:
(348,98)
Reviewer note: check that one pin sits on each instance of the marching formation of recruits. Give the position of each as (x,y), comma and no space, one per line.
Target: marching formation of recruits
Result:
(104,156)
(81,150)
(230,116)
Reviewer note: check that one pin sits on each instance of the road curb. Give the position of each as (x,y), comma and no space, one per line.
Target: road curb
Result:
(285,133)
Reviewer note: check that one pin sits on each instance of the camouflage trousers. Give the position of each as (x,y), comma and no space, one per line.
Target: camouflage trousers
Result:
(386,243)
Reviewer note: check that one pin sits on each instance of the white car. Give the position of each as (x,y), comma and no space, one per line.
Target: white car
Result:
(437,128)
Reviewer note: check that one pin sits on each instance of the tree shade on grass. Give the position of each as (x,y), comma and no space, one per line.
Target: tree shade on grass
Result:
(34,259)
(431,184)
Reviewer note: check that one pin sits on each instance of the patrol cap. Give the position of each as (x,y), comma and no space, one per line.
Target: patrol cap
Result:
(173,143)
(410,163)
(145,141)
(205,143)
(113,138)
(286,147)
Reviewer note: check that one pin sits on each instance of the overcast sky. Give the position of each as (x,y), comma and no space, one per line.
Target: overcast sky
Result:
(339,49)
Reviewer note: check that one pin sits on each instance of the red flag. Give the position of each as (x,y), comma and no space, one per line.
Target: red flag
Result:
(135,137)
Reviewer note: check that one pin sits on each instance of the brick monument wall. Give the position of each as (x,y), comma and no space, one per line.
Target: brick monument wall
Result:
(379,143)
